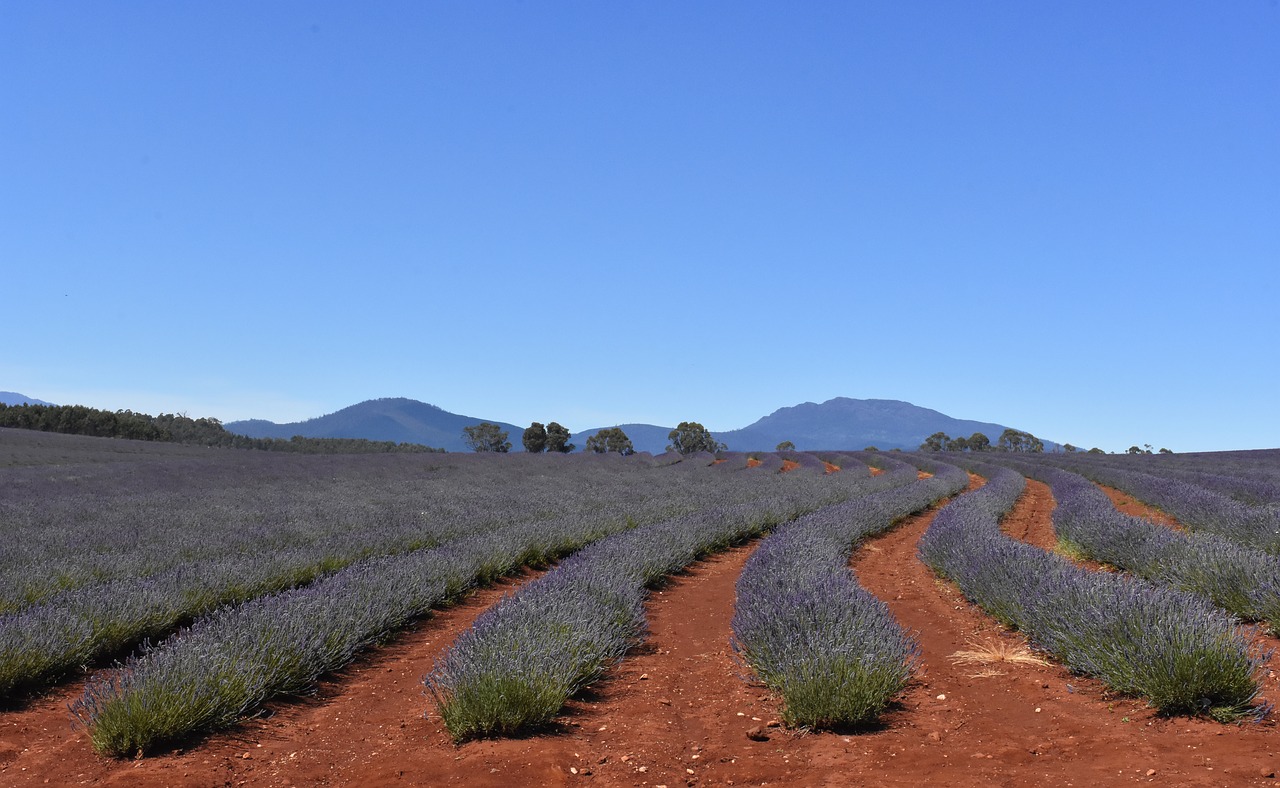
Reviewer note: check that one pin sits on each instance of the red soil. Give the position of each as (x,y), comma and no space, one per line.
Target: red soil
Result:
(789,465)
(1131,506)
(831,468)
(752,462)
(676,712)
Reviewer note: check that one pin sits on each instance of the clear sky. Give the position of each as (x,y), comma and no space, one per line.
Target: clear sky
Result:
(1063,217)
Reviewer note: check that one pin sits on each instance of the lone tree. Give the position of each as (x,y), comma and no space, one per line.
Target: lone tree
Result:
(691,437)
(535,438)
(558,439)
(610,439)
(979,442)
(785,446)
(487,436)
(935,442)
(1017,440)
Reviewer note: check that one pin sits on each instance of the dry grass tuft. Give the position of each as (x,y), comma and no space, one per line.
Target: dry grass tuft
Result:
(998,651)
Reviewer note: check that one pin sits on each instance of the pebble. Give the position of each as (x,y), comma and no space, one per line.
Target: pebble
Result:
(1150,772)
(757,734)
(942,697)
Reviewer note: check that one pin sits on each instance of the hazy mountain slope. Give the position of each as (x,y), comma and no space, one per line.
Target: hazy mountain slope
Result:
(844,423)
(14,398)
(394,419)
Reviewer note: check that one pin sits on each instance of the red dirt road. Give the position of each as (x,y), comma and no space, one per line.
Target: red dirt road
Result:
(676,712)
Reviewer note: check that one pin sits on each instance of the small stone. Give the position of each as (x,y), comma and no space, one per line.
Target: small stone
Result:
(664,701)
(688,771)
(942,697)
(935,736)
(1150,772)
(757,734)
(1267,774)
(773,724)
(246,756)
(642,768)
(644,676)
(573,770)
(1037,709)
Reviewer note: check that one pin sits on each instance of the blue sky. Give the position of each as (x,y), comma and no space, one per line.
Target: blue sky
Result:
(1063,217)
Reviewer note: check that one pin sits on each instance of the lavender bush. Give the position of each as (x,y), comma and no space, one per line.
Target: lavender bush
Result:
(805,626)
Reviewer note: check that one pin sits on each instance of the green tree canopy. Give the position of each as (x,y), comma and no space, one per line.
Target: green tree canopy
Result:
(558,439)
(958,444)
(979,442)
(785,446)
(691,437)
(610,439)
(935,442)
(1017,440)
(486,436)
(535,438)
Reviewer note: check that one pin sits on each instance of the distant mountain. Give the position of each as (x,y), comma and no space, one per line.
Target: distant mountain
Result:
(837,424)
(844,423)
(394,419)
(14,398)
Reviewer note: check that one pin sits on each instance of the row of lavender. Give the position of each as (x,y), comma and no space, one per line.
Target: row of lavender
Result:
(831,650)
(528,654)
(234,660)
(1197,507)
(1174,648)
(1251,477)
(466,496)
(1234,577)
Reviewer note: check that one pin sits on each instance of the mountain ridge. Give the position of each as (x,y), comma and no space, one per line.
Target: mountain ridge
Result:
(840,423)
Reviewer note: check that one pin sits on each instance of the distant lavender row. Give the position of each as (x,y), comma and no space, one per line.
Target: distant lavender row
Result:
(805,626)
(532,651)
(1197,508)
(232,661)
(1253,480)
(1243,581)
(1173,648)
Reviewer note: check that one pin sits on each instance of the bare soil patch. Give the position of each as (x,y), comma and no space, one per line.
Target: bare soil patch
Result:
(1129,505)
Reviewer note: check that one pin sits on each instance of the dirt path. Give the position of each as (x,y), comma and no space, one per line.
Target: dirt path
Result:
(676,712)
(1129,505)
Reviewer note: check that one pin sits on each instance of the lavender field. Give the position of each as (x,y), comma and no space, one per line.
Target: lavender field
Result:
(184,589)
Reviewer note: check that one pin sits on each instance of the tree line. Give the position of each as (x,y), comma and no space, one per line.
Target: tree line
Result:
(689,437)
(179,428)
